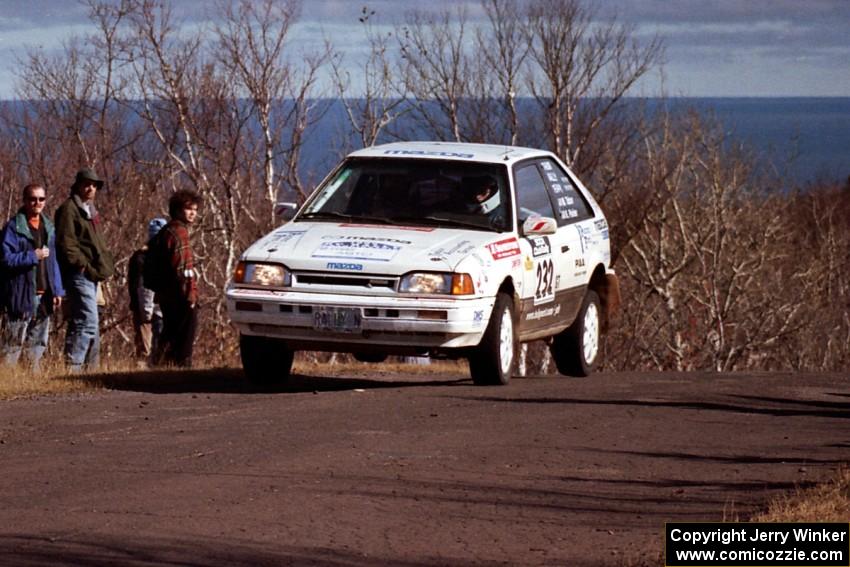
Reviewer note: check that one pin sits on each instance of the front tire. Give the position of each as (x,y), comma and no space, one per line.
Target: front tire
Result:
(265,361)
(576,350)
(493,361)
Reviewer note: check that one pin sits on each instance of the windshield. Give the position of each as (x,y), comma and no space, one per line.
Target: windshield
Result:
(415,192)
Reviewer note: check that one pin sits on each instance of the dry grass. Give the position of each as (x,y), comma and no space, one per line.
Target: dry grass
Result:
(17,382)
(437,367)
(828,502)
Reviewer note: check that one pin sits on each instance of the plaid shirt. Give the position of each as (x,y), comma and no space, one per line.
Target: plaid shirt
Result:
(182,261)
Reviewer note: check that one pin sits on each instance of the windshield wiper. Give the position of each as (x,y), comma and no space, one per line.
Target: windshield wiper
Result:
(426,220)
(442,221)
(314,215)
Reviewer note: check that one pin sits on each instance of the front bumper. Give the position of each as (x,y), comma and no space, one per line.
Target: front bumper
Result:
(389,324)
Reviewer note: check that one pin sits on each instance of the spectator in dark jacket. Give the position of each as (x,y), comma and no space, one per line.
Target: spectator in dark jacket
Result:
(32,285)
(85,261)
(178,296)
(147,316)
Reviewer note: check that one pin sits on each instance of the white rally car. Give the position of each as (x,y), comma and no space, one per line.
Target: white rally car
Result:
(431,249)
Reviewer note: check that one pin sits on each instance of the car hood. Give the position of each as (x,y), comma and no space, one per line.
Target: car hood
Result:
(375,249)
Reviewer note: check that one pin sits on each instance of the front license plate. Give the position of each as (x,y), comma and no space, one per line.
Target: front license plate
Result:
(337,319)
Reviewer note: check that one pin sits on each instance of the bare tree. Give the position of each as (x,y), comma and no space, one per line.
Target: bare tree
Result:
(305,108)
(64,87)
(503,51)
(435,69)
(581,71)
(817,224)
(381,99)
(708,260)
(253,41)
(659,249)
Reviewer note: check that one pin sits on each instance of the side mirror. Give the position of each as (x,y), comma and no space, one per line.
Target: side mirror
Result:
(536,226)
(285,210)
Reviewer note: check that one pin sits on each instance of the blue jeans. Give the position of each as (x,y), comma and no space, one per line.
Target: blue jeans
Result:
(82,341)
(28,333)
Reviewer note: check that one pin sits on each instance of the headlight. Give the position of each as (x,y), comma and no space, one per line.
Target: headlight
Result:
(272,275)
(432,283)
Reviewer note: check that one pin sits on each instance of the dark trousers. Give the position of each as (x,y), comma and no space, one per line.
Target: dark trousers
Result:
(179,328)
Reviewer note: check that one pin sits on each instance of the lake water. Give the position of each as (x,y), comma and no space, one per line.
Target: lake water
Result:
(815,131)
(807,139)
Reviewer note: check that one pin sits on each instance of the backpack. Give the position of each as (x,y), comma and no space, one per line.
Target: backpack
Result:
(155,268)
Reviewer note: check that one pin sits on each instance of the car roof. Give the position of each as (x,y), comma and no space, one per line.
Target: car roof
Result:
(491,153)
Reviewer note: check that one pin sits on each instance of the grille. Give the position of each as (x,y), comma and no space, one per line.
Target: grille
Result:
(364,282)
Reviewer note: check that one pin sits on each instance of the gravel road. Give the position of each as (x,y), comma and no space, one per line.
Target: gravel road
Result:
(196,469)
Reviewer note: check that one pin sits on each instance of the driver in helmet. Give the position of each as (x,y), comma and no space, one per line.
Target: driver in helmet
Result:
(482,197)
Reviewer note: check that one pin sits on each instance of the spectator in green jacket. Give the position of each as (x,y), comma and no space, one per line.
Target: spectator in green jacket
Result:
(85,261)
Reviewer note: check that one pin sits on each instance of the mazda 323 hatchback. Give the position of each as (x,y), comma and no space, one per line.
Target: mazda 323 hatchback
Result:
(432,249)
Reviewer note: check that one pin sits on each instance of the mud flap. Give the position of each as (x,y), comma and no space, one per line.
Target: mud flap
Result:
(609,296)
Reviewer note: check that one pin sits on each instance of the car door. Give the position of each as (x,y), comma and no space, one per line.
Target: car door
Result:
(549,290)
(575,219)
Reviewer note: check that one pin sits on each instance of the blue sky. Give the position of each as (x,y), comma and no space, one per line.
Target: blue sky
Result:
(712,47)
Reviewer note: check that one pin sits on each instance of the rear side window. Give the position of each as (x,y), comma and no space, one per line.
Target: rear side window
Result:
(570,205)
(532,197)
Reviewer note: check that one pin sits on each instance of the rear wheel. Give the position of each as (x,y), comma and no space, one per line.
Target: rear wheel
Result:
(492,362)
(265,361)
(576,349)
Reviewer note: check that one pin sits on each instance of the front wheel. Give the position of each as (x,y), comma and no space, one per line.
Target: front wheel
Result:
(576,349)
(265,361)
(492,362)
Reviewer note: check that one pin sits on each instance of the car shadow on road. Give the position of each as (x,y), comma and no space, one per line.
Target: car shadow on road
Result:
(233,381)
(626,499)
(741,459)
(779,407)
(841,405)
(81,550)
(721,486)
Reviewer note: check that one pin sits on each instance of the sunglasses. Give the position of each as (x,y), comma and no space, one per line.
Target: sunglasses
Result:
(36,199)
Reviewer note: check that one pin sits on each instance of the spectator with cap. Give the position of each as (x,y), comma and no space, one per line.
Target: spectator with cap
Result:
(32,285)
(85,262)
(147,316)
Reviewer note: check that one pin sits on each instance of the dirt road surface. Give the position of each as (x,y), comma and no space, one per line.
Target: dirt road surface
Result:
(348,471)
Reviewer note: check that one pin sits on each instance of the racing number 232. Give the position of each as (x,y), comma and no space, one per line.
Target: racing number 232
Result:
(545,281)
